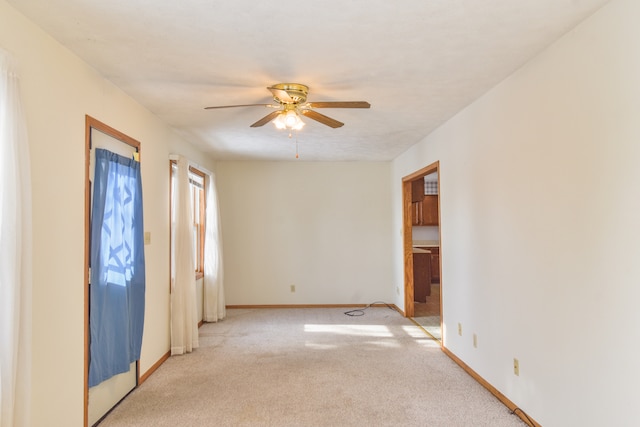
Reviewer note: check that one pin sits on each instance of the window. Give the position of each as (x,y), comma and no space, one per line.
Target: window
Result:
(197,187)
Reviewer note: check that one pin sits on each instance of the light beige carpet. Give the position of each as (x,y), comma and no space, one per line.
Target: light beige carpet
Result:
(311,367)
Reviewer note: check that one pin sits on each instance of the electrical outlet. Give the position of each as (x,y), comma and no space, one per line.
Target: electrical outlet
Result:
(475,341)
(460,329)
(147,237)
(293,288)
(516,367)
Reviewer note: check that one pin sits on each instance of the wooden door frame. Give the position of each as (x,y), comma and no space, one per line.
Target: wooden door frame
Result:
(91,123)
(407,233)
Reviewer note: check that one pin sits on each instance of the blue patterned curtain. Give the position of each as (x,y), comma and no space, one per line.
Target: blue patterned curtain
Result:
(117,287)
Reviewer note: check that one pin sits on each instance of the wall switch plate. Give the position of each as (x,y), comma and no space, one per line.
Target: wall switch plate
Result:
(475,341)
(516,367)
(147,237)
(460,329)
(293,288)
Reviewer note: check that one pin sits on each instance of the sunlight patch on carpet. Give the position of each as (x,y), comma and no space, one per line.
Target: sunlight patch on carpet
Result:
(379,331)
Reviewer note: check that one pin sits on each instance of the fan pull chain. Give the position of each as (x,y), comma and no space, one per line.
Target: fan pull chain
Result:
(297,145)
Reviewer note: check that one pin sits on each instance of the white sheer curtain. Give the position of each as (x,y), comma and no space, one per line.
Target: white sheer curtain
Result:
(184,313)
(15,254)
(214,305)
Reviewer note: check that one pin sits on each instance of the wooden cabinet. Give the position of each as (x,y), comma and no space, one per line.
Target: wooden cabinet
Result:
(421,275)
(430,210)
(426,211)
(417,190)
(435,265)
(434,262)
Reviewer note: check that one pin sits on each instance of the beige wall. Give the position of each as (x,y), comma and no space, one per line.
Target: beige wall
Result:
(58,90)
(540,224)
(323,227)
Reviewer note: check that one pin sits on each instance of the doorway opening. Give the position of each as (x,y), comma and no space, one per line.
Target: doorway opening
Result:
(101,398)
(422,249)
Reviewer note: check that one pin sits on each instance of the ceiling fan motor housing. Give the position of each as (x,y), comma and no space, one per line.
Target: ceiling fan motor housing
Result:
(296,91)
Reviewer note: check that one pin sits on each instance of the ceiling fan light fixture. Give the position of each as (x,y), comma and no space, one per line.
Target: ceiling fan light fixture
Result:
(288,120)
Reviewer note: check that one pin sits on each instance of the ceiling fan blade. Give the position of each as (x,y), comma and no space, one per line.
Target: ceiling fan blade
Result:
(241,105)
(266,119)
(340,104)
(281,94)
(322,118)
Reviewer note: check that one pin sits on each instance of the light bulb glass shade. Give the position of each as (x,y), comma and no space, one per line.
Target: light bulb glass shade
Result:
(279,122)
(291,119)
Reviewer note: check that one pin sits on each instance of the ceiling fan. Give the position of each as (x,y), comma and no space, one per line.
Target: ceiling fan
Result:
(292,102)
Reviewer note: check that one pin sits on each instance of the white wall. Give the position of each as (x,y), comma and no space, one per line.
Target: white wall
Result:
(540,224)
(323,227)
(425,232)
(58,90)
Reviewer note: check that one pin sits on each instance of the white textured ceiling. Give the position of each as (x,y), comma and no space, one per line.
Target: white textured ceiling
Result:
(417,62)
